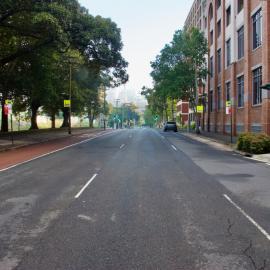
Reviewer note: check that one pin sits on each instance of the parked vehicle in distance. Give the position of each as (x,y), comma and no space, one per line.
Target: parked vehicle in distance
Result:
(170,125)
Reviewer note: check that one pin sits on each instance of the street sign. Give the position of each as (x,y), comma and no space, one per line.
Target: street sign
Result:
(228,103)
(8,102)
(228,110)
(228,107)
(5,109)
(200,109)
(67,103)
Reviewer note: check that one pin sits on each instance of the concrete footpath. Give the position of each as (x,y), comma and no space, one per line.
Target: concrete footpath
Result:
(29,137)
(29,146)
(223,142)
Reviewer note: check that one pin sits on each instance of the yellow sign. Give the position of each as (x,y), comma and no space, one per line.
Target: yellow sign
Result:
(67,103)
(200,109)
(8,102)
(228,104)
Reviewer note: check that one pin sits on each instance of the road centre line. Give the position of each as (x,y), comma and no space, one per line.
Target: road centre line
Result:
(262,230)
(173,147)
(85,186)
(55,151)
(122,146)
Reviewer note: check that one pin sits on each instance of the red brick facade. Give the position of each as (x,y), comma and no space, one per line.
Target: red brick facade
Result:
(250,108)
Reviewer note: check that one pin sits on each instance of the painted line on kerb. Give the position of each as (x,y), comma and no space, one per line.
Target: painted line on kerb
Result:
(122,146)
(85,186)
(55,151)
(174,148)
(261,229)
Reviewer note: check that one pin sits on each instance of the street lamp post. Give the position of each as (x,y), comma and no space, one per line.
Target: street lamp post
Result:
(70,86)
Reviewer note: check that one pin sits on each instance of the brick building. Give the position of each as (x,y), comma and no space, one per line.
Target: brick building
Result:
(238,34)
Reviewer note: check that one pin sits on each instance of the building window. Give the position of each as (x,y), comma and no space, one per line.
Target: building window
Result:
(218,3)
(240,5)
(211,100)
(240,91)
(228,16)
(257,29)
(228,51)
(211,67)
(211,12)
(228,91)
(257,83)
(211,37)
(219,28)
(219,60)
(241,42)
(219,98)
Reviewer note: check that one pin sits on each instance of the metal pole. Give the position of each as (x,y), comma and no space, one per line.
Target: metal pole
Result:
(11,125)
(70,82)
(231,125)
(104,108)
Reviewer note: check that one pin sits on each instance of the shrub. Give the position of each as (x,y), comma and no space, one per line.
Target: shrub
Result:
(254,143)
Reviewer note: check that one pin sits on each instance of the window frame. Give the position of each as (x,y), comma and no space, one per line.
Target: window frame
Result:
(228,52)
(240,91)
(240,5)
(257,79)
(241,42)
(219,60)
(257,29)
(228,15)
(228,91)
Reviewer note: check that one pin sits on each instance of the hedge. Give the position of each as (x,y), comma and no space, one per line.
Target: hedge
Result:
(254,143)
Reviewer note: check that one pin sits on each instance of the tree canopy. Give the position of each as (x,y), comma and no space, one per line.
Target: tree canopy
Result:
(40,40)
(176,70)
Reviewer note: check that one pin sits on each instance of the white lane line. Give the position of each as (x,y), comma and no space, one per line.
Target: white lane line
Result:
(174,148)
(85,186)
(122,146)
(55,151)
(262,230)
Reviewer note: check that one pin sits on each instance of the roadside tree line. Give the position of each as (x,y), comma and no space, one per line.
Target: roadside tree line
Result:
(44,44)
(176,73)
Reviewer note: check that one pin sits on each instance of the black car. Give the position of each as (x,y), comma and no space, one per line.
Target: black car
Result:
(170,126)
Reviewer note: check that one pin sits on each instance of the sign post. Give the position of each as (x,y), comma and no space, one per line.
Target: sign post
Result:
(229,112)
(8,111)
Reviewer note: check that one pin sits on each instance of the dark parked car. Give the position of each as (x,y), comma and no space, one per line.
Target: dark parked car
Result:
(170,126)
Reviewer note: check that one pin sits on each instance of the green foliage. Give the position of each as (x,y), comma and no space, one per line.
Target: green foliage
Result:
(254,143)
(149,118)
(40,40)
(176,70)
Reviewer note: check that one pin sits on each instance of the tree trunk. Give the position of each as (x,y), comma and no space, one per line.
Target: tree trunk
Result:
(53,120)
(4,124)
(66,118)
(34,110)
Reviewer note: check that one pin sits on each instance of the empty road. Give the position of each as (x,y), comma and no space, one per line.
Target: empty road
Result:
(136,199)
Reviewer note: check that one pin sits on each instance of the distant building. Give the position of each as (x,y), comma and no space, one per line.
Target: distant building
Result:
(238,34)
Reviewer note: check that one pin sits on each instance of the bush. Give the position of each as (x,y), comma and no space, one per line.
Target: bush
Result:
(254,143)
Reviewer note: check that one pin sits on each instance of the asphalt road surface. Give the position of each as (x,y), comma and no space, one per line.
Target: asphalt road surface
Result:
(136,199)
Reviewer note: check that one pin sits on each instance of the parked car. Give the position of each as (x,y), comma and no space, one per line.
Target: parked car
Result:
(170,126)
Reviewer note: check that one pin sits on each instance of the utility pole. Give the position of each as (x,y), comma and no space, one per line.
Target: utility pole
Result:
(104,107)
(70,85)
(116,103)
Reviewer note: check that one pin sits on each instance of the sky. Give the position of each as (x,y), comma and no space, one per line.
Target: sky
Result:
(146,27)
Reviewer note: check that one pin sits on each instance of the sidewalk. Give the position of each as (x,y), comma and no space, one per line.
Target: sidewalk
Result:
(221,141)
(31,137)
(38,144)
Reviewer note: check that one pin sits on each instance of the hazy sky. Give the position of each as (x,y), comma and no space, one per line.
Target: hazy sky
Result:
(146,26)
